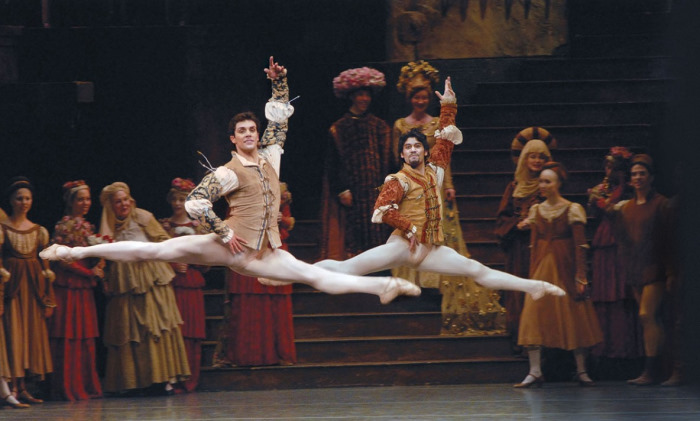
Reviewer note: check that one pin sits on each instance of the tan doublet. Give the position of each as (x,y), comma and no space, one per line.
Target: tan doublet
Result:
(421,204)
(254,204)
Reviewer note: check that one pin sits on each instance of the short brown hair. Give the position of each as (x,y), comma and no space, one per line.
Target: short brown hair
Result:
(247,115)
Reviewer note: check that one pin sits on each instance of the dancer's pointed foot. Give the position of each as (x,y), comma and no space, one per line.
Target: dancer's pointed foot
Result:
(396,287)
(545,288)
(56,252)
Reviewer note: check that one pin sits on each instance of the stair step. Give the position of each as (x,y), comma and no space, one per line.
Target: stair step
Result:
(616,45)
(314,302)
(625,67)
(307,326)
(568,136)
(499,160)
(622,22)
(397,348)
(475,183)
(486,251)
(486,206)
(543,115)
(572,91)
(382,373)
(482,229)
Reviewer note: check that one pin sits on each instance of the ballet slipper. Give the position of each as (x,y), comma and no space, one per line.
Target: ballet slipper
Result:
(396,287)
(529,381)
(545,288)
(13,402)
(56,252)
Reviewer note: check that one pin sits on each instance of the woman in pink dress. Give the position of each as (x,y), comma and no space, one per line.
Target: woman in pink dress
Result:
(188,281)
(73,327)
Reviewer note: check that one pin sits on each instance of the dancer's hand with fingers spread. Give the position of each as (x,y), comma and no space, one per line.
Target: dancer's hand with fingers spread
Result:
(235,244)
(275,70)
(449,94)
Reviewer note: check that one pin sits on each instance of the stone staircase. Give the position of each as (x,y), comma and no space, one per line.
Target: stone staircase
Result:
(609,90)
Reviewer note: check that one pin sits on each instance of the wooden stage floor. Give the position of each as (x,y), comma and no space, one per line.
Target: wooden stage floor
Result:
(555,401)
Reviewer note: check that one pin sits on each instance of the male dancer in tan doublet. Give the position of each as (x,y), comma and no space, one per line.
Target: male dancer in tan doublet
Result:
(248,241)
(410,202)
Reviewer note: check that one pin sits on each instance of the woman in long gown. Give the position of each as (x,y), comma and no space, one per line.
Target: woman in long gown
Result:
(612,298)
(467,308)
(520,194)
(6,396)
(258,328)
(558,256)
(29,296)
(188,281)
(73,328)
(142,323)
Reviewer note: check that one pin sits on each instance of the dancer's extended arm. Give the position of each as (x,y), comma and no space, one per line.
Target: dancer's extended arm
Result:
(448,135)
(277,112)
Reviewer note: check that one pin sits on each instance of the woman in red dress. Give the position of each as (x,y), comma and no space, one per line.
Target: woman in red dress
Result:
(73,327)
(188,281)
(258,328)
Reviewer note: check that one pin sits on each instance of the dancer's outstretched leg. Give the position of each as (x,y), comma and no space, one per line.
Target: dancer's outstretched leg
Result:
(208,250)
(448,262)
(281,265)
(393,254)
(196,249)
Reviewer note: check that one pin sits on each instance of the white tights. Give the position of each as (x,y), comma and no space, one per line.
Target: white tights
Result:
(208,250)
(429,258)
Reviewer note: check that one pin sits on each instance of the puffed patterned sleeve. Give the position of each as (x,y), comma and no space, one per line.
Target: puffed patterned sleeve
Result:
(277,111)
(199,204)
(577,220)
(447,136)
(386,208)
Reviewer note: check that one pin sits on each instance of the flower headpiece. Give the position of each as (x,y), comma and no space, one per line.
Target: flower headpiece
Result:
(353,79)
(417,74)
(182,184)
(71,187)
(619,152)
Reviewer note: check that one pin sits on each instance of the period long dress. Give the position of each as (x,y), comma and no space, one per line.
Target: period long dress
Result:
(190,301)
(5,371)
(559,258)
(27,293)
(613,300)
(258,327)
(467,308)
(516,245)
(142,321)
(73,328)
